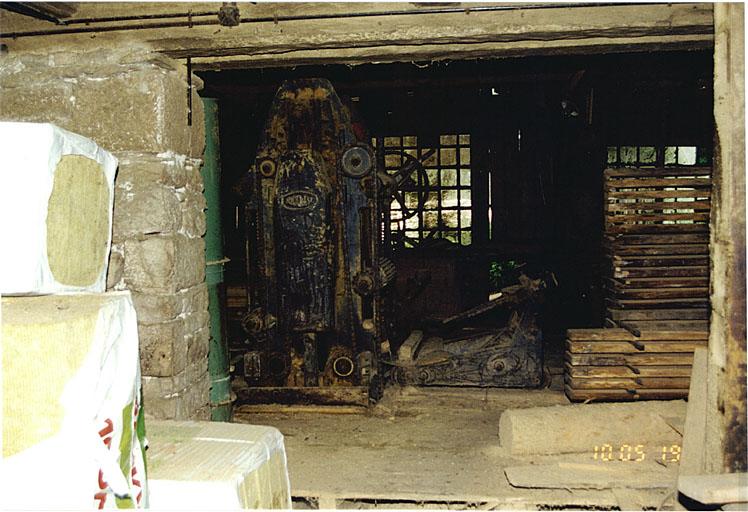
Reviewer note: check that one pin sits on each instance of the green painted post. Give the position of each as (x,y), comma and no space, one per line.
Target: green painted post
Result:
(218,354)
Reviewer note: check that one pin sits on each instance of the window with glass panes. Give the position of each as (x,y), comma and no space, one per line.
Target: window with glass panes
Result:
(446,209)
(669,156)
(642,156)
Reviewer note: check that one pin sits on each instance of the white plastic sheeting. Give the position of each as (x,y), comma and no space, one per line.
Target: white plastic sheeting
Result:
(216,466)
(71,387)
(29,156)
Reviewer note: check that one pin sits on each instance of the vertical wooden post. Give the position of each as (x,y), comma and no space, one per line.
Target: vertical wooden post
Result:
(725,447)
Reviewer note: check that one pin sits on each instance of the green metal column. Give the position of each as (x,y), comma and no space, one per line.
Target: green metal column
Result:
(218,354)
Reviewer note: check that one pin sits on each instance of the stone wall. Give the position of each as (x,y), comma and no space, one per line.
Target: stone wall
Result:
(134,104)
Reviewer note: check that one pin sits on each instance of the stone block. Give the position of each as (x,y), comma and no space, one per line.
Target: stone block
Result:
(198,344)
(164,387)
(163,348)
(123,103)
(185,396)
(202,414)
(149,114)
(144,209)
(164,264)
(197,373)
(53,103)
(195,298)
(193,214)
(193,168)
(197,395)
(116,269)
(154,309)
(156,403)
(157,308)
(197,132)
(21,68)
(193,322)
(164,169)
(160,408)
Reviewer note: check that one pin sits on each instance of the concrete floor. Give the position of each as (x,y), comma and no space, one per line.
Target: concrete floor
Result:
(427,448)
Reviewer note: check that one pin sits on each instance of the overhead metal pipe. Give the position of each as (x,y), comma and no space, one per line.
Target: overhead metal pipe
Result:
(139,17)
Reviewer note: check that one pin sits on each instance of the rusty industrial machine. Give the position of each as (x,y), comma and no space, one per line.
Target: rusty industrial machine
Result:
(505,352)
(315,275)
(319,289)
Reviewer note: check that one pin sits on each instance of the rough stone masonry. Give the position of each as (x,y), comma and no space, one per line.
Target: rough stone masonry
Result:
(134,104)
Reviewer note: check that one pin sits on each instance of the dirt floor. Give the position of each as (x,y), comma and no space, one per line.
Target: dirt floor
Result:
(439,448)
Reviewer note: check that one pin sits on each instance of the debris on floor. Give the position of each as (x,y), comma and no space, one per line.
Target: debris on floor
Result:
(437,447)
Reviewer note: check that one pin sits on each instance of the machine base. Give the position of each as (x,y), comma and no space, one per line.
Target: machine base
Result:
(337,395)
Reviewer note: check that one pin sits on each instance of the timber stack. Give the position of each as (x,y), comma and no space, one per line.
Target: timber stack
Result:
(657,244)
(615,364)
(657,288)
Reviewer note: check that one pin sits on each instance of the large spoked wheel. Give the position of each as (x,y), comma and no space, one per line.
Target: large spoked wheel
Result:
(410,177)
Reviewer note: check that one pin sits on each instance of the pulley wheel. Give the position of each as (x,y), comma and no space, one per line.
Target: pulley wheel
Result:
(356,162)
(343,366)
(266,167)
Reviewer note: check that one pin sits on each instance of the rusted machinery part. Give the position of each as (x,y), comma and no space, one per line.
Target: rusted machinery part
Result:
(507,357)
(340,368)
(527,290)
(278,364)
(367,282)
(228,14)
(402,181)
(387,272)
(343,366)
(266,368)
(497,370)
(413,375)
(295,377)
(267,167)
(357,161)
(253,322)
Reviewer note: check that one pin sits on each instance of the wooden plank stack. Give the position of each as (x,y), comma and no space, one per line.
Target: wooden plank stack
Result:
(236,301)
(657,288)
(657,243)
(614,364)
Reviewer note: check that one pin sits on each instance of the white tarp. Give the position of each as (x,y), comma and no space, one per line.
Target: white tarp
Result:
(71,403)
(29,157)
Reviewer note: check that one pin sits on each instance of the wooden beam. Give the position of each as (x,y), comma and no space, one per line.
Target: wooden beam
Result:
(436,52)
(692,459)
(715,489)
(484,27)
(403,37)
(47,11)
(600,475)
(409,349)
(726,379)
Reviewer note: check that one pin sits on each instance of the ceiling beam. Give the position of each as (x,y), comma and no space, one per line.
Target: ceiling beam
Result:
(55,12)
(343,37)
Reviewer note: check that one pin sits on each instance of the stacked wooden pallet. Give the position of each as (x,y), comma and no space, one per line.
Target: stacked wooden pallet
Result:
(236,301)
(657,288)
(615,364)
(657,243)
